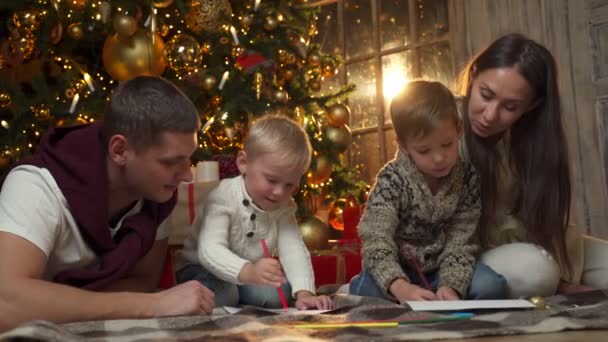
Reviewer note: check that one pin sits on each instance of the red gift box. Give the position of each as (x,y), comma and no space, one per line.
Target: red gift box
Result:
(336,266)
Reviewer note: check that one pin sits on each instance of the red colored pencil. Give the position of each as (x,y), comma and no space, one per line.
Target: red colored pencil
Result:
(279,289)
(423,279)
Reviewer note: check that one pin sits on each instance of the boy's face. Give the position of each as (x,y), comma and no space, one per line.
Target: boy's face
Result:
(155,172)
(436,153)
(269,181)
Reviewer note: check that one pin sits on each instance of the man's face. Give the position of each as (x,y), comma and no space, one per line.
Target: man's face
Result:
(154,173)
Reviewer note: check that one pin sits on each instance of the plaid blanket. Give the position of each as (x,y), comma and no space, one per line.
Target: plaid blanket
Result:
(574,312)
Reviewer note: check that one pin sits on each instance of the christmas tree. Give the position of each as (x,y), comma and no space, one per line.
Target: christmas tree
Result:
(236,60)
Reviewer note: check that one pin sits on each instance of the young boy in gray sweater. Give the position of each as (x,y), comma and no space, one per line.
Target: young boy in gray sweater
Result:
(418,230)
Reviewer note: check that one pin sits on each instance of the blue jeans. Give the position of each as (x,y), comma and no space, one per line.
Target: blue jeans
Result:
(485,284)
(229,294)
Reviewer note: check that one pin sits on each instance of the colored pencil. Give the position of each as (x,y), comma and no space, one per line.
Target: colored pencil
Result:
(418,268)
(384,324)
(279,289)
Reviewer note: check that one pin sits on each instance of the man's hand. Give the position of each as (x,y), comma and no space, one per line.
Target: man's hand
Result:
(404,291)
(265,272)
(306,300)
(447,293)
(189,298)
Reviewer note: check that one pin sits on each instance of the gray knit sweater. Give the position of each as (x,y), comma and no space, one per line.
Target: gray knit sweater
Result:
(403,219)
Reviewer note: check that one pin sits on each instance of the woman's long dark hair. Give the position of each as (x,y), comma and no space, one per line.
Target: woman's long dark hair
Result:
(538,148)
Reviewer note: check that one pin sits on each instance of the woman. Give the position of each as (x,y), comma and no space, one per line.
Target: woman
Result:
(515,138)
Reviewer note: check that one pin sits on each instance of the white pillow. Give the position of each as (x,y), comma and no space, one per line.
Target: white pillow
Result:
(529,269)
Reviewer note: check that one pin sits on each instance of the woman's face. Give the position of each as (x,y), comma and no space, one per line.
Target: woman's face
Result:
(499,97)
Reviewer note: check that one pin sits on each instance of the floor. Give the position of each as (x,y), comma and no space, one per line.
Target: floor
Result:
(578,336)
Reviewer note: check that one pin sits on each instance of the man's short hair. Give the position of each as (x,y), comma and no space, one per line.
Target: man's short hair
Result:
(144,107)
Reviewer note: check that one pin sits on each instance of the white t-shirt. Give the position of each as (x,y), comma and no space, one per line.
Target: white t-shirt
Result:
(33,207)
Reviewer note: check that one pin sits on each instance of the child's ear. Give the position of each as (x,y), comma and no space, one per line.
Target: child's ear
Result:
(241,162)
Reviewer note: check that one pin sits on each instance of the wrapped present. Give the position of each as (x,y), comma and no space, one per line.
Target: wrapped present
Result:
(336,266)
(190,198)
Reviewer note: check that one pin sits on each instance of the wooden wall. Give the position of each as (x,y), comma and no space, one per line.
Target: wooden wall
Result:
(564,27)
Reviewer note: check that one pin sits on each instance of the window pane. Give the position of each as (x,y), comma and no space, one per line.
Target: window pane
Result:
(362,101)
(431,18)
(397,69)
(327,25)
(358,27)
(436,63)
(394,23)
(365,151)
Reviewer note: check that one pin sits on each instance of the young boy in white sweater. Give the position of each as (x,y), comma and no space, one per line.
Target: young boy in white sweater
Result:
(225,252)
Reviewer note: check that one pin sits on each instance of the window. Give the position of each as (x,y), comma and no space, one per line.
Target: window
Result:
(384,43)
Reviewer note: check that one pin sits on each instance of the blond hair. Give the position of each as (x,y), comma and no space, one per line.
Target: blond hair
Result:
(279,134)
(419,107)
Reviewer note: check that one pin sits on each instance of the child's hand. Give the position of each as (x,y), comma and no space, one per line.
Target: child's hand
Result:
(404,291)
(447,293)
(266,271)
(306,300)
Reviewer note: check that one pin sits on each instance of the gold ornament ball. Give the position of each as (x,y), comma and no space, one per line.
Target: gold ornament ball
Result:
(271,23)
(288,73)
(124,25)
(124,59)
(335,211)
(26,45)
(209,82)
(329,69)
(340,137)
(246,20)
(338,115)
(320,170)
(208,15)
(183,53)
(314,59)
(314,84)
(538,302)
(76,4)
(75,31)
(162,3)
(5,99)
(281,96)
(315,233)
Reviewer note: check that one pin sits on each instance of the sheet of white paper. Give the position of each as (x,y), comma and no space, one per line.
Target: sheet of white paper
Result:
(456,305)
(290,311)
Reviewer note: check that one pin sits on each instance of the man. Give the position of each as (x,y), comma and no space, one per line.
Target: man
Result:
(80,221)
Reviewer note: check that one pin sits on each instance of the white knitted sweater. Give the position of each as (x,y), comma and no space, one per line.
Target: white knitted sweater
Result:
(219,241)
